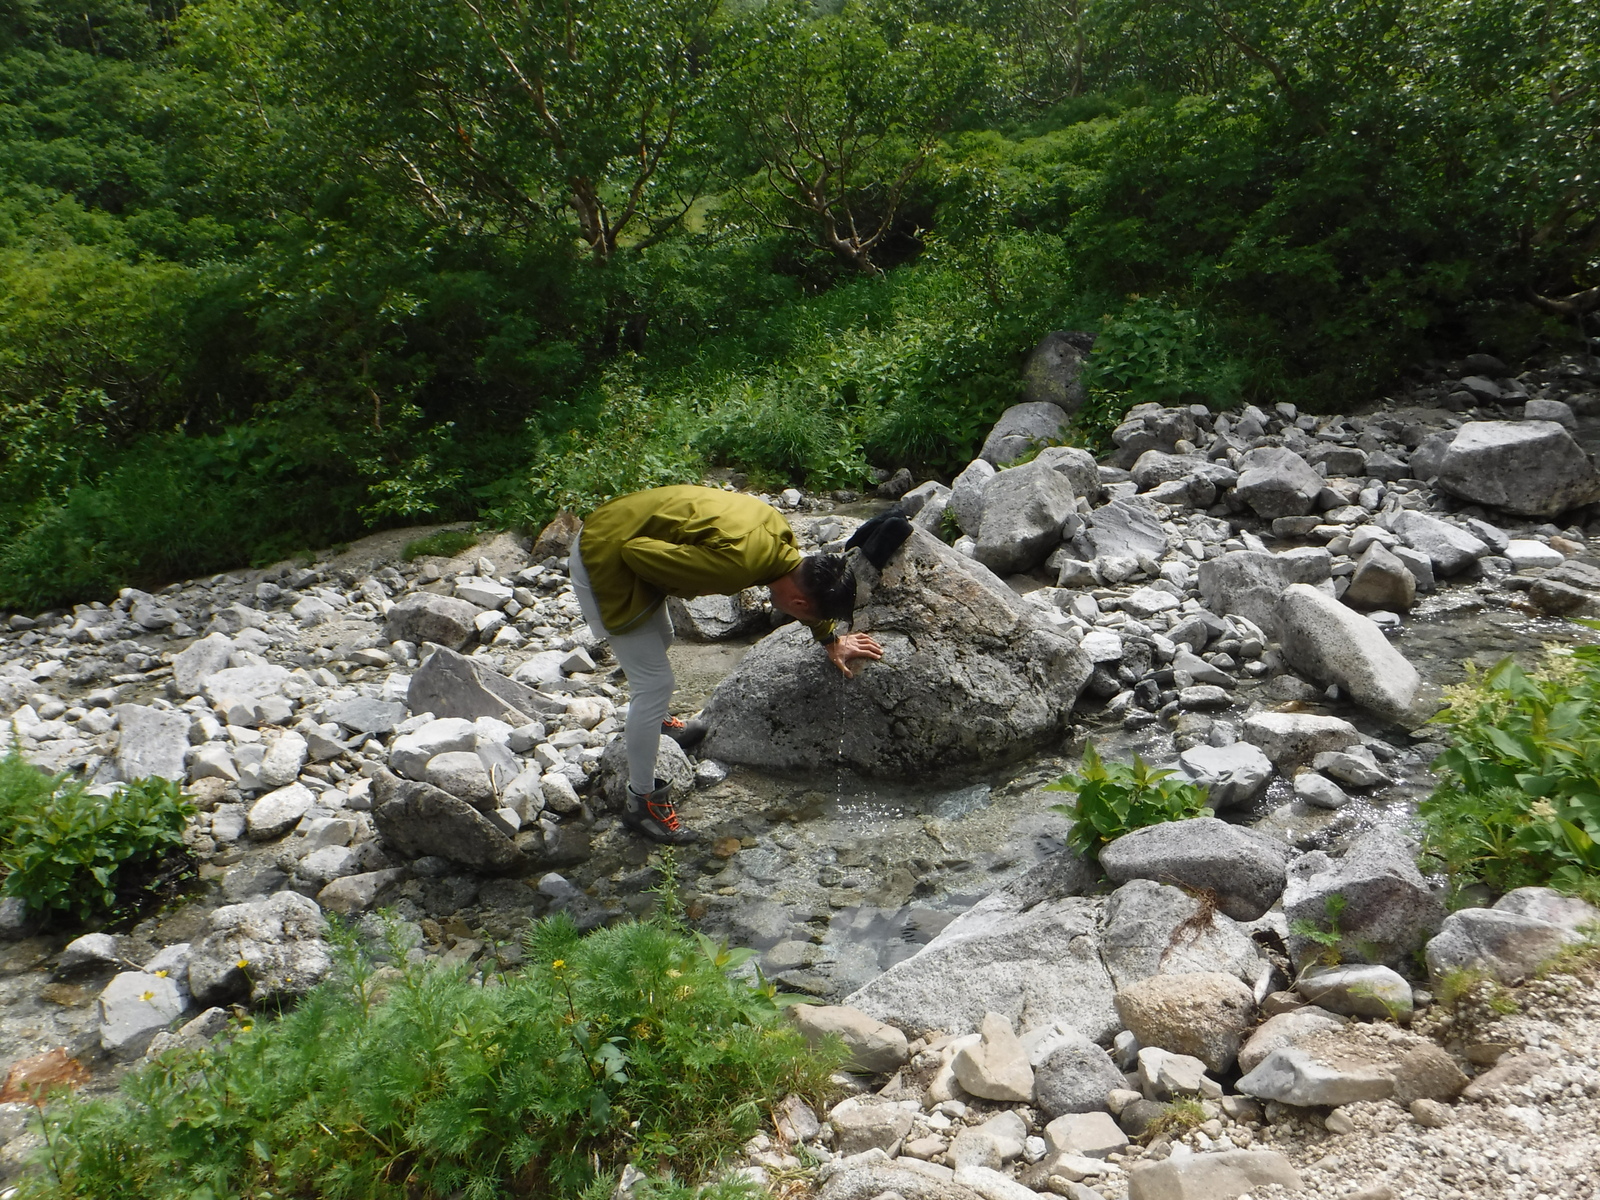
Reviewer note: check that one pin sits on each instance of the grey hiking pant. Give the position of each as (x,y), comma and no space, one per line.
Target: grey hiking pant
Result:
(642,652)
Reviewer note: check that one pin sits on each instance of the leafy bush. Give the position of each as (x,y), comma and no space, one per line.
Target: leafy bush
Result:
(631,1044)
(1115,799)
(1518,799)
(447,543)
(65,850)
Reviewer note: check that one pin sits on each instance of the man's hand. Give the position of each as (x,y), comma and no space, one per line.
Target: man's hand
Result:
(852,646)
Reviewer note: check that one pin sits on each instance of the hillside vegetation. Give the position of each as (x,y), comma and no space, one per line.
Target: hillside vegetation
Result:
(276,272)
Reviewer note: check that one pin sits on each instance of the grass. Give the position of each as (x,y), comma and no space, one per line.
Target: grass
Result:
(447,543)
(1176,1119)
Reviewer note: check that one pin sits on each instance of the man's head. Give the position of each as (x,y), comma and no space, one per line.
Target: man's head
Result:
(820,588)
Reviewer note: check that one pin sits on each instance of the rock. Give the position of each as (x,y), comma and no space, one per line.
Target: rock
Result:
(1204,1015)
(278,811)
(286,754)
(451,685)
(880,1180)
(1514,1071)
(1126,528)
(91,952)
(1319,791)
(1285,1029)
(1430,1114)
(1357,990)
(15,922)
(1021,428)
(875,1048)
(996,1068)
(424,617)
(1531,468)
(211,761)
(134,1007)
(1220,1176)
(1448,548)
(1023,508)
(970,674)
(417,819)
(1164,1075)
(672,764)
(353,894)
(365,715)
(717,618)
(462,774)
(555,539)
(279,943)
(998,1140)
(1234,776)
(410,753)
(1054,370)
(1244,868)
(239,690)
(1381,581)
(154,742)
(204,657)
(865,1126)
(1388,911)
(1086,1135)
(1526,554)
(1291,740)
(1026,952)
(1075,1077)
(1249,583)
(1277,483)
(195,1034)
(1325,641)
(1349,769)
(966,495)
(1154,928)
(1511,941)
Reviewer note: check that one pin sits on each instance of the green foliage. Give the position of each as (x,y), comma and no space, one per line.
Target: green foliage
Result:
(447,543)
(1518,799)
(1176,1119)
(1328,935)
(1115,799)
(65,850)
(633,1044)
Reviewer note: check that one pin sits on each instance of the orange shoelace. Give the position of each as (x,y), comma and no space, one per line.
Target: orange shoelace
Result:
(666,812)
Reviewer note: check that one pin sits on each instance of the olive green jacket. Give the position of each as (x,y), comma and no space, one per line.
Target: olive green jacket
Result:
(682,541)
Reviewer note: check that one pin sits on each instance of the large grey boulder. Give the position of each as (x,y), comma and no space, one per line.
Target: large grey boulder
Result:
(1286,1029)
(1277,483)
(1249,583)
(966,495)
(425,617)
(1348,1063)
(1531,468)
(1292,740)
(1449,548)
(1234,776)
(1154,928)
(1511,940)
(237,692)
(1075,1077)
(134,1007)
(718,618)
(1246,869)
(416,818)
(366,715)
(1021,428)
(1054,370)
(449,684)
(1218,1176)
(1028,952)
(875,1048)
(410,753)
(1331,644)
(672,765)
(1078,465)
(1023,508)
(1388,911)
(1381,581)
(1205,1015)
(154,742)
(1357,990)
(969,674)
(905,1178)
(268,950)
(1126,528)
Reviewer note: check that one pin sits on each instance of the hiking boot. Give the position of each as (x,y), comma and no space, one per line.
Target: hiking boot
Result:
(656,816)
(687,734)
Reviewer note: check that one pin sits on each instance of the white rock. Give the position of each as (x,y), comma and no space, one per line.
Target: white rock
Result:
(134,1007)
(279,811)
(1525,553)
(286,754)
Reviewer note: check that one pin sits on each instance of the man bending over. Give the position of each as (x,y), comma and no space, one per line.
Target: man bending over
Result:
(693,541)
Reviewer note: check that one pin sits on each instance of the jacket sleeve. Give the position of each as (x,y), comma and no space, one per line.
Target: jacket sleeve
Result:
(687,569)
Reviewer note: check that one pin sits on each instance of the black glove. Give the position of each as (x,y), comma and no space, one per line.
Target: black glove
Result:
(880,537)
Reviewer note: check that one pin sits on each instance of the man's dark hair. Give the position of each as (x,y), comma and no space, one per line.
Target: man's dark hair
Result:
(830,583)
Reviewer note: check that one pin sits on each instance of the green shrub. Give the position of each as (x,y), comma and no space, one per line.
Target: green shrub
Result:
(447,543)
(65,850)
(1115,799)
(1518,799)
(632,1044)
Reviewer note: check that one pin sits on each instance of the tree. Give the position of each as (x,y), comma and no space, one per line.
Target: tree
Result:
(838,117)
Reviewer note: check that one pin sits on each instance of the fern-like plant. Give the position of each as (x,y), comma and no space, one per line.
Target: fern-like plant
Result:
(1112,799)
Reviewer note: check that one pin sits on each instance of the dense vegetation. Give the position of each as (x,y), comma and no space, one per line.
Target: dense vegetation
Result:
(275,271)
(1518,801)
(65,850)
(1111,799)
(633,1044)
